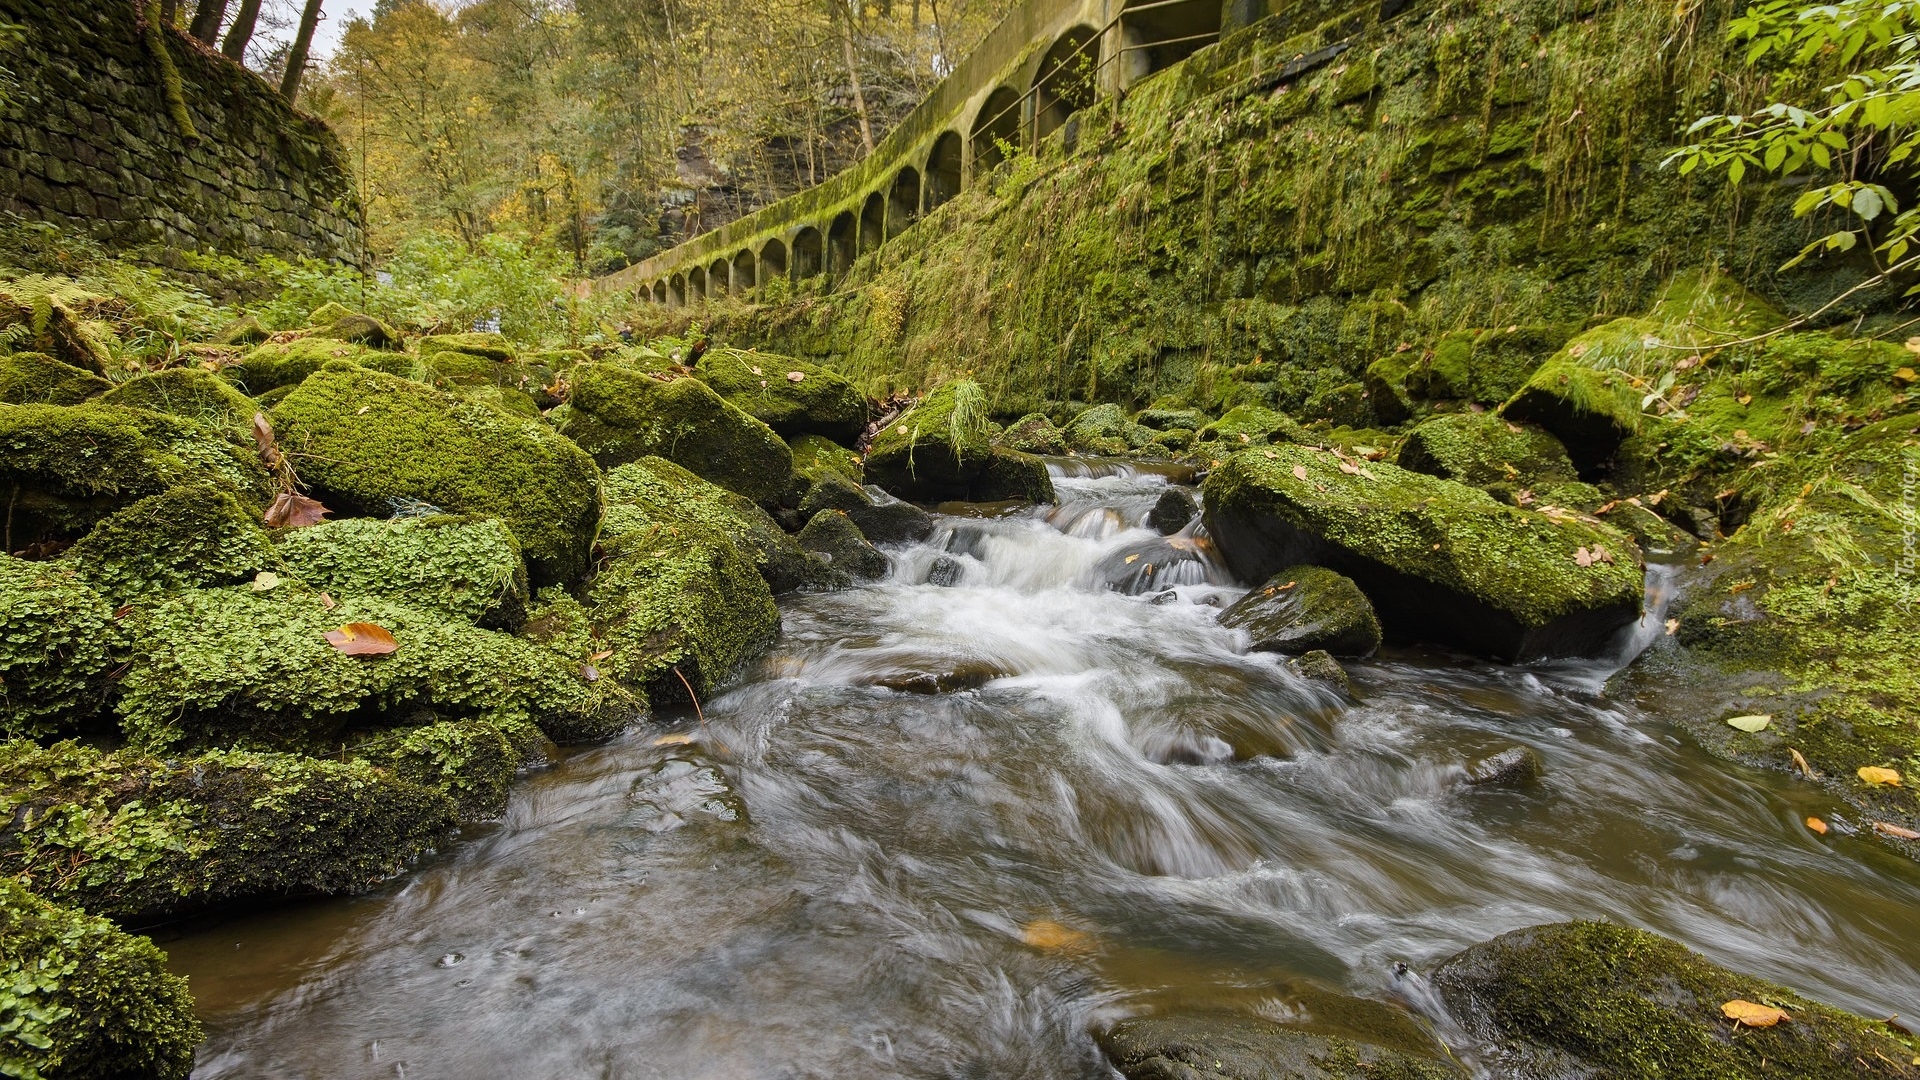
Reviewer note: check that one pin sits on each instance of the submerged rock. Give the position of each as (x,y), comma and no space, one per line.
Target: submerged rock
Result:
(820,402)
(945,680)
(1516,766)
(31,378)
(1307,608)
(1152,565)
(1320,666)
(660,491)
(87,999)
(1440,561)
(941,452)
(1235,1047)
(1593,999)
(1173,511)
(367,442)
(620,416)
(945,572)
(833,535)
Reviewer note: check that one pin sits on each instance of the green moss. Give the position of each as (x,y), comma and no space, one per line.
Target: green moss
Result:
(1386,383)
(227,666)
(246,330)
(1105,429)
(58,640)
(814,457)
(943,450)
(468,568)
(762,385)
(1629,1003)
(132,836)
(832,535)
(271,365)
(188,392)
(185,537)
(31,378)
(621,416)
(369,443)
(79,997)
(489,346)
(1245,424)
(1483,450)
(1591,411)
(354,327)
(1304,608)
(1233,1047)
(655,490)
(472,761)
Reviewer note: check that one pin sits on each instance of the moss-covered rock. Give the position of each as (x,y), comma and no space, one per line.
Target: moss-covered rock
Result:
(189,536)
(488,345)
(832,535)
(942,450)
(1105,429)
(1303,608)
(253,667)
(654,490)
(64,469)
(472,761)
(1034,434)
(1591,410)
(1386,385)
(814,457)
(1484,450)
(1173,511)
(245,330)
(1168,419)
(351,326)
(762,385)
(369,443)
(58,640)
(133,836)
(1244,424)
(620,416)
(465,567)
(1235,1047)
(31,378)
(1441,561)
(1597,999)
(54,328)
(882,520)
(193,393)
(284,364)
(80,998)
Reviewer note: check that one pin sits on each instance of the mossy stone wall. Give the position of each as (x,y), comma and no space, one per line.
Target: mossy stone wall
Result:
(88,144)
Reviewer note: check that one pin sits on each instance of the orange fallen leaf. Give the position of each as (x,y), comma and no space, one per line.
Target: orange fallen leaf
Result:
(1898,832)
(1817,825)
(1751,1014)
(1874,774)
(362,639)
(295,511)
(1052,936)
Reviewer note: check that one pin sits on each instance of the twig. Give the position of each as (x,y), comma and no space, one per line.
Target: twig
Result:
(691,696)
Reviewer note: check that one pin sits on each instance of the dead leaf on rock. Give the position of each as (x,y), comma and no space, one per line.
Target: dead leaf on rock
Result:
(362,639)
(327,601)
(1052,936)
(1751,1014)
(265,581)
(263,439)
(1299,472)
(1874,774)
(796,376)
(292,511)
(1896,831)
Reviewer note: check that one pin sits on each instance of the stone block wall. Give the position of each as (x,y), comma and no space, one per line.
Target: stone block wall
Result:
(88,143)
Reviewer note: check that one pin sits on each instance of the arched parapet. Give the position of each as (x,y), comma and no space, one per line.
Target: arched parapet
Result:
(995,126)
(718,273)
(1153,35)
(660,293)
(772,263)
(677,291)
(1064,82)
(843,243)
(697,285)
(873,222)
(744,277)
(903,201)
(946,165)
(809,253)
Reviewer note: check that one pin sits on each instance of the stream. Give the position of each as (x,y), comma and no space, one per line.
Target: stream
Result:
(946,831)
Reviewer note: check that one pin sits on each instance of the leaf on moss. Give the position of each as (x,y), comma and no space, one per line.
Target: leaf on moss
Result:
(1874,774)
(796,376)
(295,511)
(1753,724)
(1299,472)
(1751,1014)
(362,639)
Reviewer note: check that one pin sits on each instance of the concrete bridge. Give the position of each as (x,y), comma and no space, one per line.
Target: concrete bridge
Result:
(1023,85)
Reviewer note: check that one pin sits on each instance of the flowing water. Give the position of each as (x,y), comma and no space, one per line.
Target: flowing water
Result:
(946,831)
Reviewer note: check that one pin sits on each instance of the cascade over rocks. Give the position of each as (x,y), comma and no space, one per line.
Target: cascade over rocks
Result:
(1441,562)
(883,520)
(1304,608)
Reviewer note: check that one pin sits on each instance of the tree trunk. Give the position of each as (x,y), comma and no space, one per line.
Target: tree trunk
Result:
(235,47)
(853,76)
(210,14)
(297,59)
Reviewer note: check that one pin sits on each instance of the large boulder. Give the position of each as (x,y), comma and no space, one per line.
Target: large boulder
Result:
(819,402)
(1442,562)
(620,416)
(188,536)
(190,392)
(882,519)
(655,490)
(832,535)
(1303,608)
(371,444)
(1484,450)
(1105,429)
(1244,424)
(58,641)
(31,378)
(1590,408)
(275,365)
(941,451)
(1594,999)
(1034,434)
(485,344)
(1226,1046)
(161,835)
(467,568)
(85,998)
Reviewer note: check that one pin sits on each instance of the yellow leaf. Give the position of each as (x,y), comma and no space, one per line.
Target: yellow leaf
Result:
(1800,762)
(1905,374)
(676,739)
(1750,724)
(1051,936)
(1131,559)
(1817,825)
(1744,399)
(1874,774)
(1752,1015)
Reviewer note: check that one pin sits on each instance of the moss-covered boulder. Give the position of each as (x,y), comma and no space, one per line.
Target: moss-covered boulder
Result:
(245,330)
(253,666)
(1303,608)
(491,346)
(620,416)
(1597,999)
(1485,451)
(882,519)
(833,536)
(132,836)
(472,761)
(942,451)
(284,364)
(31,378)
(64,469)
(351,326)
(53,328)
(58,640)
(1441,562)
(1173,511)
(1590,409)
(82,998)
(369,443)
(1106,429)
(465,567)
(189,536)
(1034,434)
(654,490)
(762,385)
(1224,1046)
(1386,385)
(194,393)
(1244,424)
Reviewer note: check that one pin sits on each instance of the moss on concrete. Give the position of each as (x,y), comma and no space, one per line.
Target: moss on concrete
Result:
(620,416)
(31,378)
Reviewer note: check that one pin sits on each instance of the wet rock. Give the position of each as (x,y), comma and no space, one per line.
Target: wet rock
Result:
(941,452)
(620,416)
(1593,999)
(474,761)
(1153,565)
(1514,767)
(658,491)
(947,681)
(883,520)
(1320,666)
(468,568)
(833,535)
(1591,411)
(1234,1047)
(1034,434)
(820,402)
(113,1009)
(31,378)
(371,441)
(1174,511)
(1304,608)
(1172,419)
(1105,429)
(945,572)
(1163,598)
(1482,449)
(1441,562)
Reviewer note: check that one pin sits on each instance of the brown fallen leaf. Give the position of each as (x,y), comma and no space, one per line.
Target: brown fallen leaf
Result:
(1751,1014)
(327,601)
(1896,831)
(796,376)
(1817,825)
(1800,763)
(1299,472)
(263,439)
(678,738)
(362,639)
(291,511)
(589,673)
(1874,774)
(1583,557)
(1349,468)
(1052,936)
(601,655)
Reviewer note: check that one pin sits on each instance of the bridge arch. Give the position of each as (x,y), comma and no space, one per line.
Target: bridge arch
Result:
(944,168)
(744,277)
(873,222)
(660,292)
(696,285)
(717,278)
(808,254)
(1164,34)
(1063,84)
(842,243)
(677,291)
(903,201)
(997,121)
(772,263)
